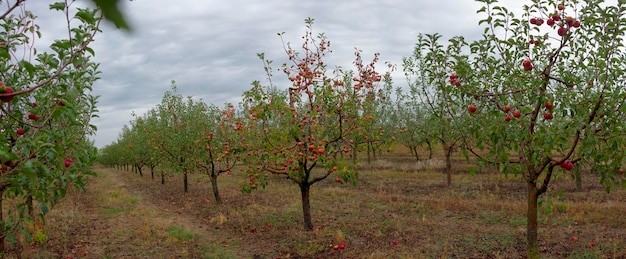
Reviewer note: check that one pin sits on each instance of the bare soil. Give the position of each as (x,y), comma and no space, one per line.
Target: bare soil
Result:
(399,209)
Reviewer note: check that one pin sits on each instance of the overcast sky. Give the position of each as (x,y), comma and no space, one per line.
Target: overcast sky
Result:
(209,47)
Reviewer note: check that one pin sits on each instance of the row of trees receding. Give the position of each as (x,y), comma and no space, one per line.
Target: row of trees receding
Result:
(528,98)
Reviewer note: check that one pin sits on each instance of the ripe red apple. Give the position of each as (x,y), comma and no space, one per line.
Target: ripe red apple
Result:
(337,180)
(507,108)
(320,151)
(592,244)
(562,31)
(34,104)
(537,42)
(569,20)
(342,246)
(556,17)
(32,116)
(68,162)
(311,148)
(548,116)
(528,66)
(4,168)
(561,7)
(517,114)
(20,131)
(576,24)
(471,108)
(300,143)
(395,243)
(621,171)
(550,22)
(507,118)
(574,238)
(533,20)
(549,105)
(7,90)
(539,22)
(336,247)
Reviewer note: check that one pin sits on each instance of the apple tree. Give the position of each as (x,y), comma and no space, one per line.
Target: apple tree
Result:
(432,75)
(548,92)
(299,132)
(45,108)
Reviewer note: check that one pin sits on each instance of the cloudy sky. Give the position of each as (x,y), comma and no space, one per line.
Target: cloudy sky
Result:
(209,47)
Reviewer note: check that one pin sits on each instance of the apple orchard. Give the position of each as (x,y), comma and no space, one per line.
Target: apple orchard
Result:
(540,95)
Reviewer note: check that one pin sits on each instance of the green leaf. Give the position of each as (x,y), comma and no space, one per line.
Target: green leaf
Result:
(86,16)
(112,13)
(60,6)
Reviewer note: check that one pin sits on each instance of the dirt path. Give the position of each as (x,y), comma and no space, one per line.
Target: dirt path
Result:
(111,220)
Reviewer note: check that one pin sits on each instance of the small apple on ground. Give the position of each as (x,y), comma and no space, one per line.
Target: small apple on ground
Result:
(68,162)
(337,180)
(574,238)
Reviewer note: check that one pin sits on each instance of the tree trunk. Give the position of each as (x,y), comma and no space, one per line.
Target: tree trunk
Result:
(531,225)
(430,150)
(414,151)
(139,170)
(369,151)
(579,180)
(216,192)
(306,206)
(162,177)
(355,153)
(2,234)
(29,205)
(152,171)
(185,182)
(448,153)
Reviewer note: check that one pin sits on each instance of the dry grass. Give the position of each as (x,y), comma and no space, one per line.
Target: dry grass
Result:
(399,209)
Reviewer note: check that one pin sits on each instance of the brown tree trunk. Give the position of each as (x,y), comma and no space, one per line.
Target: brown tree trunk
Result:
(2,234)
(162,177)
(216,192)
(531,225)
(185,182)
(579,180)
(306,206)
(414,151)
(152,171)
(448,153)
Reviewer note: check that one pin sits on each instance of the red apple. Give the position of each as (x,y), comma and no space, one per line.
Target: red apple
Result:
(517,114)
(395,243)
(549,105)
(20,131)
(592,244)
(7,90)
(574,238)
(562,31)
(311,148)
(533,20)
(320,151)
(621,171)
(342,246)
(471,108)
(561,7)
(337,180)
(34,104)
(68,162)
(576,24)
(4,168)
(507,108)
(336,247)
(548,116)
(32,116)
(507,118)
(539,22)
(556,17)
(550,22)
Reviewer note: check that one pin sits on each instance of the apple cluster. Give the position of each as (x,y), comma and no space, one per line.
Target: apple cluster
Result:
(567,165)
(6,90)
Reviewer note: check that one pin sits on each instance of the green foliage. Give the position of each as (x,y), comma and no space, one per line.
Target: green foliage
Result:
(44,145)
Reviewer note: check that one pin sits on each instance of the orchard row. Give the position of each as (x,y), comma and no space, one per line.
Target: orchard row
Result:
(531,100)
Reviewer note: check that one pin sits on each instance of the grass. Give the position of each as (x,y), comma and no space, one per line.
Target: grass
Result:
(399,209)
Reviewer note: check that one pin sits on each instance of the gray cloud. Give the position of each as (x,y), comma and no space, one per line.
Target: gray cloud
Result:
(209,47)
